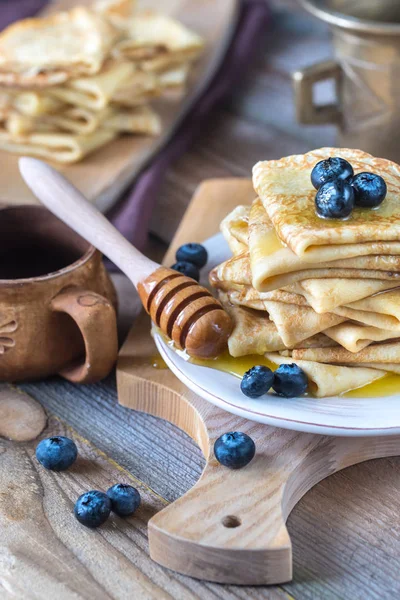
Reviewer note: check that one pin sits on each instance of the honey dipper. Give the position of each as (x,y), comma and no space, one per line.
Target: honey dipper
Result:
(185,311)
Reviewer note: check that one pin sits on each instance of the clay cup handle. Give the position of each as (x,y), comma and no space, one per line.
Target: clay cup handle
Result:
(96,319)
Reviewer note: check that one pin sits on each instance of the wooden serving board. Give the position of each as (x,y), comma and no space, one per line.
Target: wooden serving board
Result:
(230,527)
(105,174)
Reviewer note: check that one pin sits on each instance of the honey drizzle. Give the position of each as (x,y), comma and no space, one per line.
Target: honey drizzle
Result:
(386,386)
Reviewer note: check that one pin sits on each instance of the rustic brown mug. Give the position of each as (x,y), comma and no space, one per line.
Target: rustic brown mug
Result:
(57,302)
(366,42)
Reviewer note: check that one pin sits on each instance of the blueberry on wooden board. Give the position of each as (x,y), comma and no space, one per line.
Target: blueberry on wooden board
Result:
(56,453)
(92,508)
(193,253)
(234,450)
(125,499)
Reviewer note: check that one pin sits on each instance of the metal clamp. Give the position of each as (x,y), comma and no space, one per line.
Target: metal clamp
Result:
(306,111)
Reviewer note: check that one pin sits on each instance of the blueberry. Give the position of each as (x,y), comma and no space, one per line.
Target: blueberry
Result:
(194,253)
(187,268)
(92,508)
(125,499)
(56,453)
(369,189)
(290,381)
(334,200)
(234,450)
(257,381)
(330,169)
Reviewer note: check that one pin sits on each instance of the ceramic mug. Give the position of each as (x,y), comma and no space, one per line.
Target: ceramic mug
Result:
(56,301)
(366,40)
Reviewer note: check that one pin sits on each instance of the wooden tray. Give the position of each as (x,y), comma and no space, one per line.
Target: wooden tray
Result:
(103,175)
(230,527)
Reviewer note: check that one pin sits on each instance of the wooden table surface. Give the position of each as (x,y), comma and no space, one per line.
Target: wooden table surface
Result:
(345,531)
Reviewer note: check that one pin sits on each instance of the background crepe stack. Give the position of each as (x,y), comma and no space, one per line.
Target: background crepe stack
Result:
(321,293)
(73,81)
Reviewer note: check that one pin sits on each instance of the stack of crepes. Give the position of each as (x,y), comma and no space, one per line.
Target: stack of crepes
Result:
(321,293)
(73,81)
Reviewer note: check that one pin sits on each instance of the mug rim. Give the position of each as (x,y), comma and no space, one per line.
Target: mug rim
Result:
(86,256)
(343,21)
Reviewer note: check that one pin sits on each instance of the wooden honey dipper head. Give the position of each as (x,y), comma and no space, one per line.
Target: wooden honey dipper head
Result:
(185,311)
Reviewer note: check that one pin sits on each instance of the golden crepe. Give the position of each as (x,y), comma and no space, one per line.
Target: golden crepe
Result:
(234,228)
(116,11)
(275,265)
(382,310)
(287,194)
(63,148)
(354,337)
(47,51)
(331,380)
(324,295)
(157,41)
(375,353)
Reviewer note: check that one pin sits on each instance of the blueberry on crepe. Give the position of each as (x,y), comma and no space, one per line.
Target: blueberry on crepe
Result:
(331,169)
(335,200)
(369,189)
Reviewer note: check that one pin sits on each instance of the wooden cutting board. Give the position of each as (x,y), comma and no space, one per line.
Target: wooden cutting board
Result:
(230,527)
(105,174)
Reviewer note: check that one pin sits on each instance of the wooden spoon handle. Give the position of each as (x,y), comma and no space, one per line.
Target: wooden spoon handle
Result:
(69,205)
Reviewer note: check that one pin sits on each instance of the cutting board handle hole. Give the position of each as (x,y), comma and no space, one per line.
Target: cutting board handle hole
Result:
(231,521)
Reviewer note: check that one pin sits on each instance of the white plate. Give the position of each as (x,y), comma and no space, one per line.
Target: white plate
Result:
(329,416)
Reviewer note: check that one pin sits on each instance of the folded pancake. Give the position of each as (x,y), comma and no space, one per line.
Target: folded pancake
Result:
(382,311)
(35,104)
(97,91)
(355,337)
(375,353)
(272,261)
(255,333)
(324,295)
(174,78)
(238,270)
(296,323)
(139,120)
(47,51)
(248,296)
(331,380)
(234,228)
(150,36)
(60,147)
(389,367)
(287,194)
(116,11)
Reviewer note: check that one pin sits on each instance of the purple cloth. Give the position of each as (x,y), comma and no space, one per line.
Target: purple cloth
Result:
(132,213)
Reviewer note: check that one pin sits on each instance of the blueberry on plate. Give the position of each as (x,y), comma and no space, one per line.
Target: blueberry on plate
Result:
(334,200)
(369,189)
(125,499)
(56,453)
(187,268)
(331,169)
(290,381)
(234,450)
(257,381)
(194,253)
(92,508)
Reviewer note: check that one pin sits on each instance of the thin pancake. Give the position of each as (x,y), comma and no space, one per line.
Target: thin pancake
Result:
(355,337)
(285,189)
(331,380)
(296,323)
(376,353)
(382,310)
(324,295)
(234,228)
(270,259)
(47,51)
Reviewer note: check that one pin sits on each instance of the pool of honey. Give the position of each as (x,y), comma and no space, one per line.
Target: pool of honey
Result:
(386,386)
